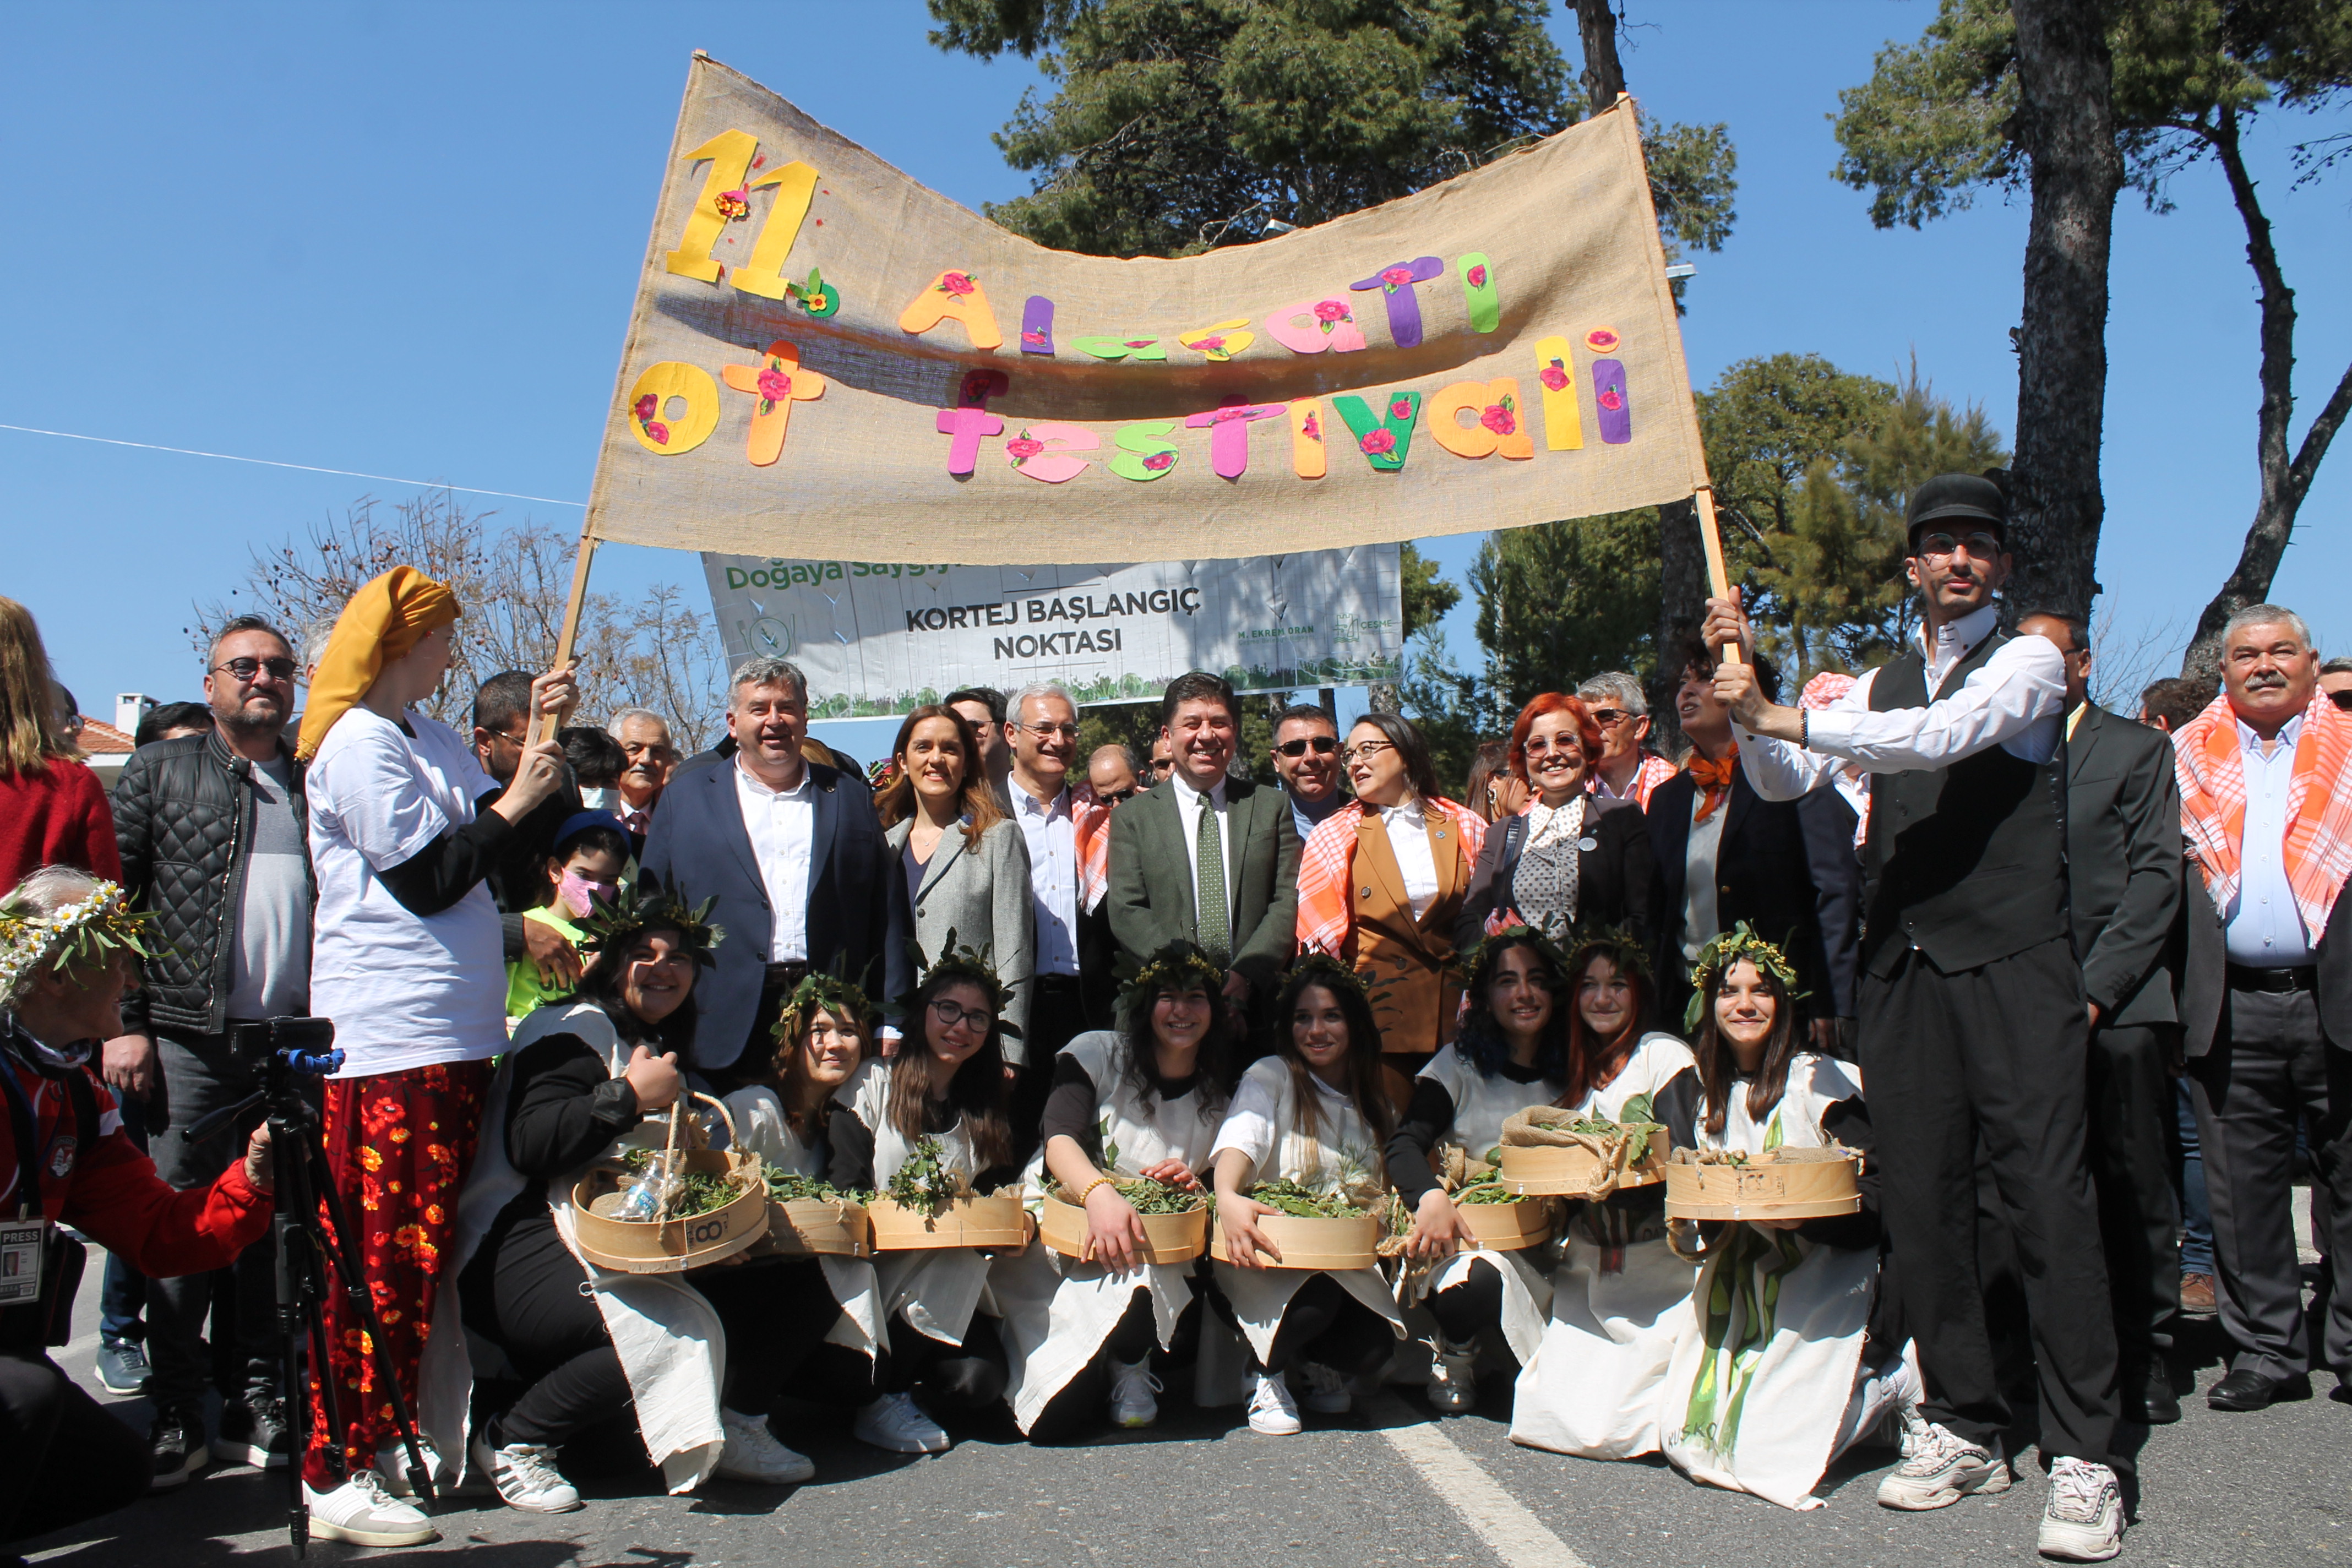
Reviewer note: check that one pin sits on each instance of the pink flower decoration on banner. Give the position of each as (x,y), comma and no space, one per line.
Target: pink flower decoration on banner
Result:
(1499,419)
(1554,377)
(1212,345)
(775,385)
(1478,277)
(1312,429)
(1377,441)
(1022,447)
(1033,337)
(1159,460)
(1136,342)
(647,406)
(1239,411)
(733,204)
(974,393)
(1401,409)
(1331,310)
(1611,400)
(659,431)
(1602,340)
(1396,278)
(956,283)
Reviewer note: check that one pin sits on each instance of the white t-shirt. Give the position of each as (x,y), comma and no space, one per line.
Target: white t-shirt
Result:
(405,991)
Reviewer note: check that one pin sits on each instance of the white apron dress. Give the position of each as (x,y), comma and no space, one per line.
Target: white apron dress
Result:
(1343,1151)
(938,1289)
(1621,1300)
(764,1129)
(672,1348)
(1481,1105)
(1764,1372)
(1059,1311)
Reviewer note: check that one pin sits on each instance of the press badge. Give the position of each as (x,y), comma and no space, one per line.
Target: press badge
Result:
(23,1244)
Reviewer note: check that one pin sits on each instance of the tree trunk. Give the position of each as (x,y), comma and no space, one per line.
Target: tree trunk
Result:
(2066,124)
(2285,482)
(1681,605)
(1604,75)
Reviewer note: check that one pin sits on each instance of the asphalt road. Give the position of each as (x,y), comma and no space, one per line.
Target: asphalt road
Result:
(1384,1484)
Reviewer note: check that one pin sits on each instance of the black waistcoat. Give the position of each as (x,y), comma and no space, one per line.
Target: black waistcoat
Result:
(1965,863)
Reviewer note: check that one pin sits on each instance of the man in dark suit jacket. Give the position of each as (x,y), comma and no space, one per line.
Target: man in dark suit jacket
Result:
(1786,867)
(791,850)
(2123,872)
(1159,841)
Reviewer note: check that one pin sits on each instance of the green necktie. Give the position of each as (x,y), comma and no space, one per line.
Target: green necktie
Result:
(1213,927)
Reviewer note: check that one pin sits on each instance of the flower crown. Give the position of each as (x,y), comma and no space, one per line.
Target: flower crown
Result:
(1478,954)
(962,963)
(832,992)
(79,933)
(613,923)
(1730,947)
(1615,943)
(1327,970)
(1172,967)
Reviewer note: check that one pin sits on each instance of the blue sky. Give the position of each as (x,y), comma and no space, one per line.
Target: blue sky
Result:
(401,240)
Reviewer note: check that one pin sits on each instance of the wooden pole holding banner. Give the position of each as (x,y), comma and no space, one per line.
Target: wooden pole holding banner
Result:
(1710,538)
(542,725)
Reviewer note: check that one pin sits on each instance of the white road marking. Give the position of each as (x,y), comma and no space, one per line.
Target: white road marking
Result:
(1519,1538)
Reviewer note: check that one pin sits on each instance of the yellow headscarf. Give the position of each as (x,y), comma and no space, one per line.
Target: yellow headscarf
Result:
(384,620)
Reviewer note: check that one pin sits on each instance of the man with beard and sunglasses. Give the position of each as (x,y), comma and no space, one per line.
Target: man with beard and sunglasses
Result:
(1974,1023)
(1307,758)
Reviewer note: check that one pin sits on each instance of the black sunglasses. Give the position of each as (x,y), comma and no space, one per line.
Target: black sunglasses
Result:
(1324,746)
(246,668)
(1115,795)
(2342,699)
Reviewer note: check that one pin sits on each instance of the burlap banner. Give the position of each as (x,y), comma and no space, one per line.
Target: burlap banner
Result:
(828,361)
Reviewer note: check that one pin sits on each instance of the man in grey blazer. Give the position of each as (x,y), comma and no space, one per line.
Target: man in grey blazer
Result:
(2124,874)
(1245,911)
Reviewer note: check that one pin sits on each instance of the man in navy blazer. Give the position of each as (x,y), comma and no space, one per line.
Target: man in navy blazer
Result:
(792,852)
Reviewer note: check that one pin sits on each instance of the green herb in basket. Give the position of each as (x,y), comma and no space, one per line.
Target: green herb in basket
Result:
(1633,1124)
(1490,1193)
(1288,1197)
(926,1181)
(789,1187)
(1146,1195)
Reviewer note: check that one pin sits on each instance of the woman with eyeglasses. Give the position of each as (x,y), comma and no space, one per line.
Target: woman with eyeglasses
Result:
(1621,1297)
(964,863)
(1380,888)
(1570,858)
(946,1087)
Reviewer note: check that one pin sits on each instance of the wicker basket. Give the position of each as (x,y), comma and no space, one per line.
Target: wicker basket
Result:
(806,1228)
(1334,1245)
(997,1220)
(663,1245)
(1765,1188)
(1508,1227)
(1571,1172)
(1168,1237)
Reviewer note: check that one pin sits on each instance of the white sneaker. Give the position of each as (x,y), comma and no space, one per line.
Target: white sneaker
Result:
(896,1423)
(1327,1390)
(392,1467)
(2084,1519)
(1131,1388)
(1943,1468)
(361,1512)
(1453,1378)
(754,1454)
(1273,1412)
(525,1475)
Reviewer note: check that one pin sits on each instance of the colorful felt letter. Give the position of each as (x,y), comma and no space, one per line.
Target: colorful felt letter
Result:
(969,419)
(1142,453)
(730,153)
(1037,326)
(1479,295)
(649,404)
(1497,423)
(764,275)
(1330,324)
(1615,414)
(1228,430)
(1121,348)
(954,297)
(1307,456)
(1381,438)
(1555,374)
(1038,450)
(1221,341)
(777,382)
(1395,284)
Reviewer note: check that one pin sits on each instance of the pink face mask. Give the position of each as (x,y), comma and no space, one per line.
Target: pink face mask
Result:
(580,895)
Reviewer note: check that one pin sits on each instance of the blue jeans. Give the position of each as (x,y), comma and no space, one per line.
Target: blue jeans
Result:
(123,1296)
(2196,1217)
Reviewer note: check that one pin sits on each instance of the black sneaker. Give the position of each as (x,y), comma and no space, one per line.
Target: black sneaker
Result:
(177,1443)
(253,1431)
(122,1367)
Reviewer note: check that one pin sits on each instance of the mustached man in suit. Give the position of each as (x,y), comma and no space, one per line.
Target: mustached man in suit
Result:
(1205,857)
(792,852)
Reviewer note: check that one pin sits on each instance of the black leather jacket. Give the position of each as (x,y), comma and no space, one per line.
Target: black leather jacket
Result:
(184,817)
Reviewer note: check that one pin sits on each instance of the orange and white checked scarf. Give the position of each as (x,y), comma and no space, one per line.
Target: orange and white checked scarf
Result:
(1820,694)
(1090,827)
(2318,805)
(1327,863)
(1654,771)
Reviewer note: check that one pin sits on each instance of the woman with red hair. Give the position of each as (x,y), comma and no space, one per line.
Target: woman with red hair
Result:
(1568,859)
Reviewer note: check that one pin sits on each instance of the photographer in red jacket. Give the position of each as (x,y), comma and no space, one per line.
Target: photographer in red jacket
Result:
(69,949)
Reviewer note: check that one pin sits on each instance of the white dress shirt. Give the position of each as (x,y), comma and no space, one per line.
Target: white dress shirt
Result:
(2262,927)
(1188,816)
(783,828)
(1700,913)
(1053,875)
(1408,833)
(2016,699)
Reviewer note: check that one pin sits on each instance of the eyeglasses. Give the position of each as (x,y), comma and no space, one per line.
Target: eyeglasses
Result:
(1609,718)
(1322,746)
(2342,699)
(246,668)
(949,1015)
(1115,795)
(1050,732)
(1365,751)
(511,739)
(1943,546)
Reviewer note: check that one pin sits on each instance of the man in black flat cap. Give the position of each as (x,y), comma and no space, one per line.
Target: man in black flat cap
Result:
(1974,1022)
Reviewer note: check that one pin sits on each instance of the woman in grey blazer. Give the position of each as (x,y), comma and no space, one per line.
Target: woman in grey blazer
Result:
(959,865)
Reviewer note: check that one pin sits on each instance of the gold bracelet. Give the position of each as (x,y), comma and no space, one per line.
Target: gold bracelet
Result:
(1088,1191)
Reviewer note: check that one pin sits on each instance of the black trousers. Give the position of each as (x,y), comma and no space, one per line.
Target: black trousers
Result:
(1327,1326)
(2271,1065)
(62,1457)
(1080,1403)
(1057,1014)
(955,1379)
(1465,1310)
(1996,1053)
(2139,1212)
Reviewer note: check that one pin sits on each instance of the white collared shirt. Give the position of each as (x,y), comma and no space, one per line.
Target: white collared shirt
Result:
(1701,914)
(1408,833)
(1053,875)
(1188,817)
(2016,699)
(2263,926)
(781,825)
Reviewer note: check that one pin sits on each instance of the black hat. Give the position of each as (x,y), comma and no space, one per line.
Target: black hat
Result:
(1947,498)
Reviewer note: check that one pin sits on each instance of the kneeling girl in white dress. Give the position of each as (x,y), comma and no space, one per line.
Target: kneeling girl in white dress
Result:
(945,1087)
(1144,1100)
(1793,1352)
(1620,1297)
(1510,1053)
(1316,1114)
